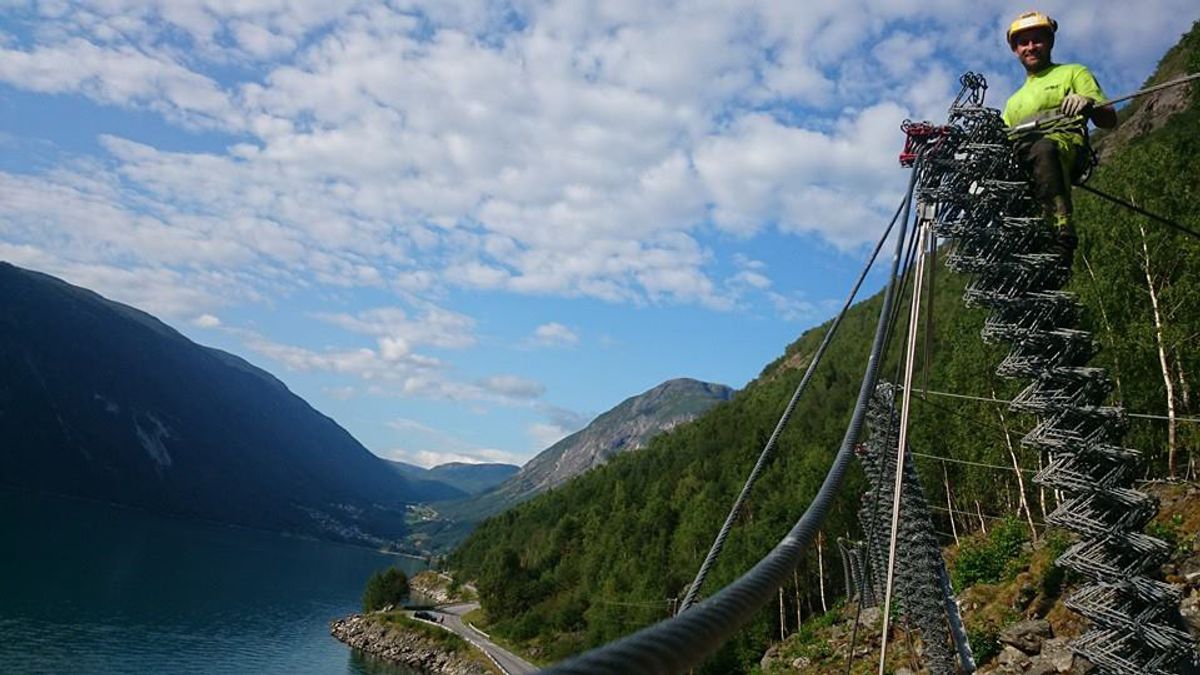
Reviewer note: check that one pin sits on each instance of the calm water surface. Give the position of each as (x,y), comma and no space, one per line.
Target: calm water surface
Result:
(89,588)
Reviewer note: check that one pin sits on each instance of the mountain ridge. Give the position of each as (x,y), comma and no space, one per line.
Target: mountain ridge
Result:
(103,401)
(624,428)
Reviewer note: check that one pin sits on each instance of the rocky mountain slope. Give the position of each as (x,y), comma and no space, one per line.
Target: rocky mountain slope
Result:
(626,427)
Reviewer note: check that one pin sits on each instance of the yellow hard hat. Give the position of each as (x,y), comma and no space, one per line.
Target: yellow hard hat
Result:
(1027,21)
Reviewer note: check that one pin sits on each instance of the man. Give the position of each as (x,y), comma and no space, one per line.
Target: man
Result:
(1056,157)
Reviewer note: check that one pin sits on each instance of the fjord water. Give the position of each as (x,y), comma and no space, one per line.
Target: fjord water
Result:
(92,588)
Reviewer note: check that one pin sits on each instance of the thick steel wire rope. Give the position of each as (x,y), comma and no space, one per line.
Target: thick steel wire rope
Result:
(901,445)
(905,269)
(684,641)
(769,448)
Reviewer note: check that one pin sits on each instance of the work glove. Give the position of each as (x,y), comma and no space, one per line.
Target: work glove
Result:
(1076,104)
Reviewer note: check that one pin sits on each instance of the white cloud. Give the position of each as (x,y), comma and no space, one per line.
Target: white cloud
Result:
(513,387)
(420,150)
(405,424)
(434,326)
(793,308)
(343,393)
(395,370)
(124,76)
(545,434)
(431,458)
(206,321)
(553,334)
(433,144)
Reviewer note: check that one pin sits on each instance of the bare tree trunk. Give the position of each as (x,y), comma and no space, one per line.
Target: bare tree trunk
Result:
(1185,398)
(1185,392)
(796,586)
(1012,453)
(1168,382)
(949,503)
(821,569)
(1041,489)
(1107,328)
(782,620)
(979,512)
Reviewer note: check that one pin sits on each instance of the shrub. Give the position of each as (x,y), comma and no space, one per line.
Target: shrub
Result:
(385,587)
(985,643)
(990,558)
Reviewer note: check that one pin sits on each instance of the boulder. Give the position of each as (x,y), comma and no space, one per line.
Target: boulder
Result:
(1190,609)
(1056,653)
(1028,635)
(870,616)
(1011,656)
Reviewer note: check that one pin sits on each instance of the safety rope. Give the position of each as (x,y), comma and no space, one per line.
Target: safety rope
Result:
(1137,209)
(989,399)
(685,640)
(1057,121)
(764,457)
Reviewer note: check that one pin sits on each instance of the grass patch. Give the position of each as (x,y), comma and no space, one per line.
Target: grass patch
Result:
(479,619)
(443,638)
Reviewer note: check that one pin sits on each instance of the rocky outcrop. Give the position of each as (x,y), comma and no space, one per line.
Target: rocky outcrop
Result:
(625,428)
(392,642)
(1052,655)
(434,588)
(628,426)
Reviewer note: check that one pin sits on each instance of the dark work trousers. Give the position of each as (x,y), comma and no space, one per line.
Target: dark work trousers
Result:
(1042,157)
(1052,177)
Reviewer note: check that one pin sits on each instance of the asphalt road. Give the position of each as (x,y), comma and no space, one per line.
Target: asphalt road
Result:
(451,616)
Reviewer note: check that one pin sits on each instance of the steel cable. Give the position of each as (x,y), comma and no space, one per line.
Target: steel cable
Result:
(681,642)
(764,457)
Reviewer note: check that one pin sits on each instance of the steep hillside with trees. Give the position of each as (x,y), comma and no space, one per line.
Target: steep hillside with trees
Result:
(607,553)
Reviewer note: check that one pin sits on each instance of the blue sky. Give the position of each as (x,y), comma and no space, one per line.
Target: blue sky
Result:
(462,229)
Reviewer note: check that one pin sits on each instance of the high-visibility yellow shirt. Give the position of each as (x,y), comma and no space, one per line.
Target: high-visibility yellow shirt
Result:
(1044,91)
(1041,95)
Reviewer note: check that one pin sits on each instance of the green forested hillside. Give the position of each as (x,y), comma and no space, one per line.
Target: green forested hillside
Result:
(603,555)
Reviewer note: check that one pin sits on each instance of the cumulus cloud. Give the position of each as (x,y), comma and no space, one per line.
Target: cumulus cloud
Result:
(553,334)
(793,307)
(393,369)
(434,326)
(206,321)
(545,434)
(420,150)
(569,152)
(431,458)
(513,387)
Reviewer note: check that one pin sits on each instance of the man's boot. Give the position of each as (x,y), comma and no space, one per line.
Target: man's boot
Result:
(1065,240)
